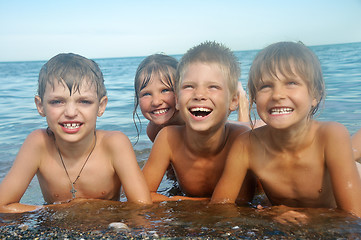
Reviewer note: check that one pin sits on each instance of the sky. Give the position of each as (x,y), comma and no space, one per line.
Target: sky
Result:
(38,30)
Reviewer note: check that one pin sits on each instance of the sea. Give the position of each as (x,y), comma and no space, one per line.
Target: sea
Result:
(341,65)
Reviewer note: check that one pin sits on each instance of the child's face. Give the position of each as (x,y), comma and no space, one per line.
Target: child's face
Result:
(157,102)
(204,100)
(72,116)
(285,101)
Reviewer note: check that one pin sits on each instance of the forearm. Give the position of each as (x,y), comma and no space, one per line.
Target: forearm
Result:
(18,208)
(157,197)
(176,198)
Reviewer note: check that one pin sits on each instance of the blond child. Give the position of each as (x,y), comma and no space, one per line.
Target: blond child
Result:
(300,162)
(71,158)
(154,93)
(206,91)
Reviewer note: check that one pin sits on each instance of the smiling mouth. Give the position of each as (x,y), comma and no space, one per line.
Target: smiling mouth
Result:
(200,111)
(283,110)
(71,125)
(160,111)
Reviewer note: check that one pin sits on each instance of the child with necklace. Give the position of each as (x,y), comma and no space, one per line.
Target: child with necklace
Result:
(71,158)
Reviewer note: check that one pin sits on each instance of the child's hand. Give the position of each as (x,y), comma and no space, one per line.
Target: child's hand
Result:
(292,217)
(243,104)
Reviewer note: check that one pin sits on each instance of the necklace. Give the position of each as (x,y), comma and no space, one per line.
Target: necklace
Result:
(73,191)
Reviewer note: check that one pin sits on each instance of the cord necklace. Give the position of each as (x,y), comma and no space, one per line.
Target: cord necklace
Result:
(73,191)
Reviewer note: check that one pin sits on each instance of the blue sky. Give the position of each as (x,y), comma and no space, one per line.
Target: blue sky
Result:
(38,30)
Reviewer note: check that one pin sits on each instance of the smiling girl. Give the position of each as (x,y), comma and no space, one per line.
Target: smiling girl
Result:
(154,93)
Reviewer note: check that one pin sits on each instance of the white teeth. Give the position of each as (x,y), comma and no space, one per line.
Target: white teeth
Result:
(200,109)
(283,110)
(71,125)
(160,111)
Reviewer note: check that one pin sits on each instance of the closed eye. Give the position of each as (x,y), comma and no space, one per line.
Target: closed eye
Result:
(215,87)
(264,86)
(187,86)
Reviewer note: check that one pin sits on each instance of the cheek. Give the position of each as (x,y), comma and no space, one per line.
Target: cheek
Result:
(170,100)
(144,104)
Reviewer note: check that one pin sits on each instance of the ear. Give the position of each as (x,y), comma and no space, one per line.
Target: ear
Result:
(102,105)
(314,102)
(39,106)
(234,102)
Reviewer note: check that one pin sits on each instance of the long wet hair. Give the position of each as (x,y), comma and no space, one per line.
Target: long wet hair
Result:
(154,66)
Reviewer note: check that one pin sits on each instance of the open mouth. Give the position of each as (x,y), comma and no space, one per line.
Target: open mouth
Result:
(200,111)
(283,110)
(71,125)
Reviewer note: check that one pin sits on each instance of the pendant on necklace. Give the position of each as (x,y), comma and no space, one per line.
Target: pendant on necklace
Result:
(73,191)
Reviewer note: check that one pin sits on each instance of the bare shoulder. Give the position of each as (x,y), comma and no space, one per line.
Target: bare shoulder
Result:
(235,128)
(170,133)
(331,130)
(116,146)
(39,138)
(111,138)
(36,147)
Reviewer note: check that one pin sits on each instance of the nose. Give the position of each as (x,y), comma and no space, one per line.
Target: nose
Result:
(278,93)
(157,100)
(200,94)
(71,110)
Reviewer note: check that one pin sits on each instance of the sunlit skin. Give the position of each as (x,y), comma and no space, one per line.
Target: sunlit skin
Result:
(356,145)
(300,162)
(157,103)
(72,118)
(197,150)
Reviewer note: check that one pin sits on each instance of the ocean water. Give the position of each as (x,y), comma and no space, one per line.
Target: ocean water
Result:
(341,66)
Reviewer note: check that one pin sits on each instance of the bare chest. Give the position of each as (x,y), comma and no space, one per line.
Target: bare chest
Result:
(299,179)
(198,175)
(96,180)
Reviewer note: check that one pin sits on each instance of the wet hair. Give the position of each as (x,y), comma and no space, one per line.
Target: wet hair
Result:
(159,66)
(212,52)
(71,70)
(288,59)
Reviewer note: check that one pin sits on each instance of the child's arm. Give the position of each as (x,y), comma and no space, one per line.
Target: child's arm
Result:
(234,173)
(25,166)
(127,168)
(356,145)
(345,179)
(157,164)
(243,104)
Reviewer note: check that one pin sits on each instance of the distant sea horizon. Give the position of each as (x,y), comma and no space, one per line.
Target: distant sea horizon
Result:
(171,54)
